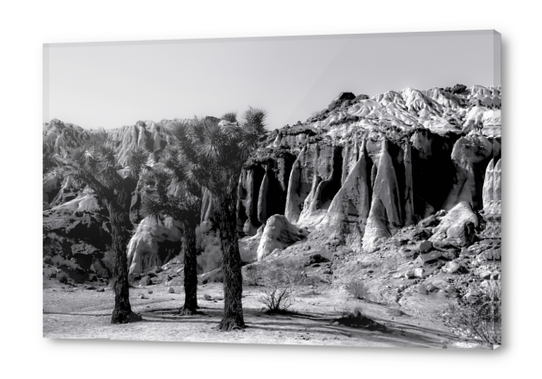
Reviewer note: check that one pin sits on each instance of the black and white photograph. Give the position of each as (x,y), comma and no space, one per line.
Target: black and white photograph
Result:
(286,189)
(333,190)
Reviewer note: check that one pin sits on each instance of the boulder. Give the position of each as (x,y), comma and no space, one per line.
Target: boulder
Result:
(436,283)
(424,246)
(415,273)
(428,258)
(278,234)
(248,246)
(452,267)
(457,227)
(315,259)
(145,281)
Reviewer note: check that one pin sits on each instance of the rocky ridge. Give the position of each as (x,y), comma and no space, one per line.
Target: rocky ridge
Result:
(364,168)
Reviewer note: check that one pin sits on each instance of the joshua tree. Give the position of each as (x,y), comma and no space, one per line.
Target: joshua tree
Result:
(96,166)
(172,191)
(217,151)
(230,116)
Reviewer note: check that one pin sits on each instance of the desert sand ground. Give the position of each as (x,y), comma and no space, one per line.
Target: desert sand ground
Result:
(83,312)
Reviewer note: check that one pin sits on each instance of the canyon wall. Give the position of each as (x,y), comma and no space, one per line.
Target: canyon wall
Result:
(363,168)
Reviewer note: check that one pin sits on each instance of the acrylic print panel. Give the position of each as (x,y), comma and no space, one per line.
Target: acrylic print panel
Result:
(323,190)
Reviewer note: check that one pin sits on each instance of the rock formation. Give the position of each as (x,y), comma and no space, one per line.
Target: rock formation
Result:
(152,136)
(348,213)
(60,137)
(278,234)
(153,244)
(491,197)
(422,151)
(386,214)
(457,227)
(355,174)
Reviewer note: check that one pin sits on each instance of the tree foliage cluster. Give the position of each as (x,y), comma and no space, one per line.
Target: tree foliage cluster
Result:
(208,156)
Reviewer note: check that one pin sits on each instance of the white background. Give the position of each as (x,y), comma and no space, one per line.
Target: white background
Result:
(26,25)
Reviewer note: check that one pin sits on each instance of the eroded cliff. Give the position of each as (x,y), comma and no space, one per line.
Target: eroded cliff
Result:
(364,168)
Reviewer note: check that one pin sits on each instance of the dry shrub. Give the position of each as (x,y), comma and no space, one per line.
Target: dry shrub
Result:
(358,289)
(277,293)
(349,312)
(279,279)
(480,319)
(355,317)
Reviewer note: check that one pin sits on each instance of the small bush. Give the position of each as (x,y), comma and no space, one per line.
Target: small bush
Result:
(478,319)
(358,289)
(277,293)
(279,280)
(356,319)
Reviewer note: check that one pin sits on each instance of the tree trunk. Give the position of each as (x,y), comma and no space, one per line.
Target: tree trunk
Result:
(122,313)
(190,271)
(231,265)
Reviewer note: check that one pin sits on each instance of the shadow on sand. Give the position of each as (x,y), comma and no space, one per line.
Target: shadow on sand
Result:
(379,331)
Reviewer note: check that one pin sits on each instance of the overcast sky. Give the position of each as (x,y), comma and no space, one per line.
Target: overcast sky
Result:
(118,83)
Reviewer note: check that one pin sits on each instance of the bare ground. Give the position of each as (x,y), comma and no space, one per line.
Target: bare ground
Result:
(81,312)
